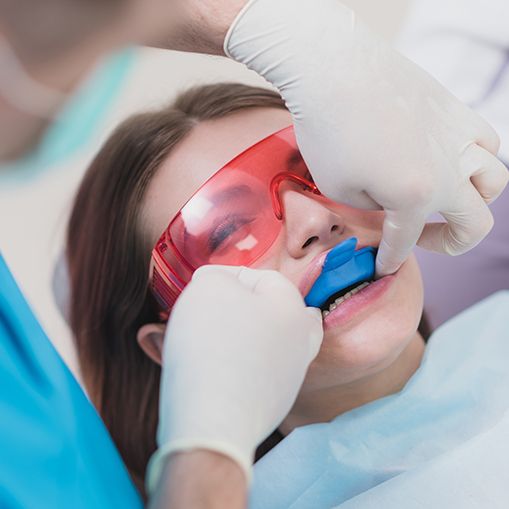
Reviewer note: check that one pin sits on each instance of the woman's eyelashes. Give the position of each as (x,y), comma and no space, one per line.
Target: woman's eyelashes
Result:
(225,230)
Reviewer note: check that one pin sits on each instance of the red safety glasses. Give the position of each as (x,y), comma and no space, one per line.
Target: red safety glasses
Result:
(232,219)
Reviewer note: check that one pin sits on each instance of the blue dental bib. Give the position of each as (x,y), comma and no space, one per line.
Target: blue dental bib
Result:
(343,267)
(440,442)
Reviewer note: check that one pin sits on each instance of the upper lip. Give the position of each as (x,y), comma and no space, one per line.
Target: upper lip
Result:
(315,268)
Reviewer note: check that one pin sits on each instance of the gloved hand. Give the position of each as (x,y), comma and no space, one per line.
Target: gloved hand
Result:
(237,347)
(375,130)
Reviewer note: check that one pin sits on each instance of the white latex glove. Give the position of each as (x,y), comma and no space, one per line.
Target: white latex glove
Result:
(472,39)
(237,347)
(375,129)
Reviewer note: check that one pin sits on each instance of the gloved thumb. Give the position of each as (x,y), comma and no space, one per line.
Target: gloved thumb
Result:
(400,233)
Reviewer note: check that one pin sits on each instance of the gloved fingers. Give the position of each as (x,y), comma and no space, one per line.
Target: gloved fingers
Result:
(474,126)
(316,331)
(272,285)
(486,136)
(248,278)
(206,270)
(207,279)
(467,224)
(259,281)
(487,173)
(255,279)
(401,229)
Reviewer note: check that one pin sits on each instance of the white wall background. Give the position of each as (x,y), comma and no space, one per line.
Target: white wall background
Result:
(33,216)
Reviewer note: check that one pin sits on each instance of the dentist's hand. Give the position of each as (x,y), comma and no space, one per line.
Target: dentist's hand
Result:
(237,347)
(375,130)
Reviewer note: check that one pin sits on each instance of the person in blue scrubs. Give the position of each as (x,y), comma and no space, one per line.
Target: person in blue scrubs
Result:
(55,451)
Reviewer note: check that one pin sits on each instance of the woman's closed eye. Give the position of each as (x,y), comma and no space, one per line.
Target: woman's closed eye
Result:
(225,230)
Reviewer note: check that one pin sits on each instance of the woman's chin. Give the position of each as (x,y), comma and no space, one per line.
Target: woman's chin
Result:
(374,326)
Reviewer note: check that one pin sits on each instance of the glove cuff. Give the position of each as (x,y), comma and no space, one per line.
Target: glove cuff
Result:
(159,458)
(233,26)
(265,31)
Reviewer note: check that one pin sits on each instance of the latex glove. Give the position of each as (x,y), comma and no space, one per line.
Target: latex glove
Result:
(237,347)
(375,129)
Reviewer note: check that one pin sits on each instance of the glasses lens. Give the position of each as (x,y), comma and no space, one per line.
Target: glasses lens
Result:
(230,224)
(231,220)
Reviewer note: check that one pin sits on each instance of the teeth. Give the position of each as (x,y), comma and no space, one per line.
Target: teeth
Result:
(347,296)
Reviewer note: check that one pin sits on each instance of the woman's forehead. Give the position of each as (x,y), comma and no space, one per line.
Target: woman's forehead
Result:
(209,146)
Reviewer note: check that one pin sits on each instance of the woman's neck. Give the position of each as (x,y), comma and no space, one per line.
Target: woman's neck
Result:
(326,404)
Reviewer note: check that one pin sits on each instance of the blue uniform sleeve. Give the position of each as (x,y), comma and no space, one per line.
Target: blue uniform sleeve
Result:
(55,452)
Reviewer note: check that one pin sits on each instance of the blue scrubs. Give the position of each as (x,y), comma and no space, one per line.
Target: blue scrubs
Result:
(54,449)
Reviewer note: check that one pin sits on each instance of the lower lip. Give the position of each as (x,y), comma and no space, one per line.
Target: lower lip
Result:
(358,303)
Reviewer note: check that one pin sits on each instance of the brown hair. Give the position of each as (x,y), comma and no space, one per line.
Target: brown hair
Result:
(108,257)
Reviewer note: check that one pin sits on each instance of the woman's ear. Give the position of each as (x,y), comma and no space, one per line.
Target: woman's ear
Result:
(151,338)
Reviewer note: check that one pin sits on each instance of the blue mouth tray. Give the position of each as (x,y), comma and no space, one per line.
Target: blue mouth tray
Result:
(343,267)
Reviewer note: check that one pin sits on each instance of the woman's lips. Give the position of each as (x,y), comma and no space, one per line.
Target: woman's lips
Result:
(312,273)
(359,302)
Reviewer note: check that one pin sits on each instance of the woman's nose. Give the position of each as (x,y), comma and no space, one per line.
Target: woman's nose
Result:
(310,226)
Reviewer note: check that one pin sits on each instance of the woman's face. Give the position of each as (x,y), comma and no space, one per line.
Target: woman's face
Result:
(365,334)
